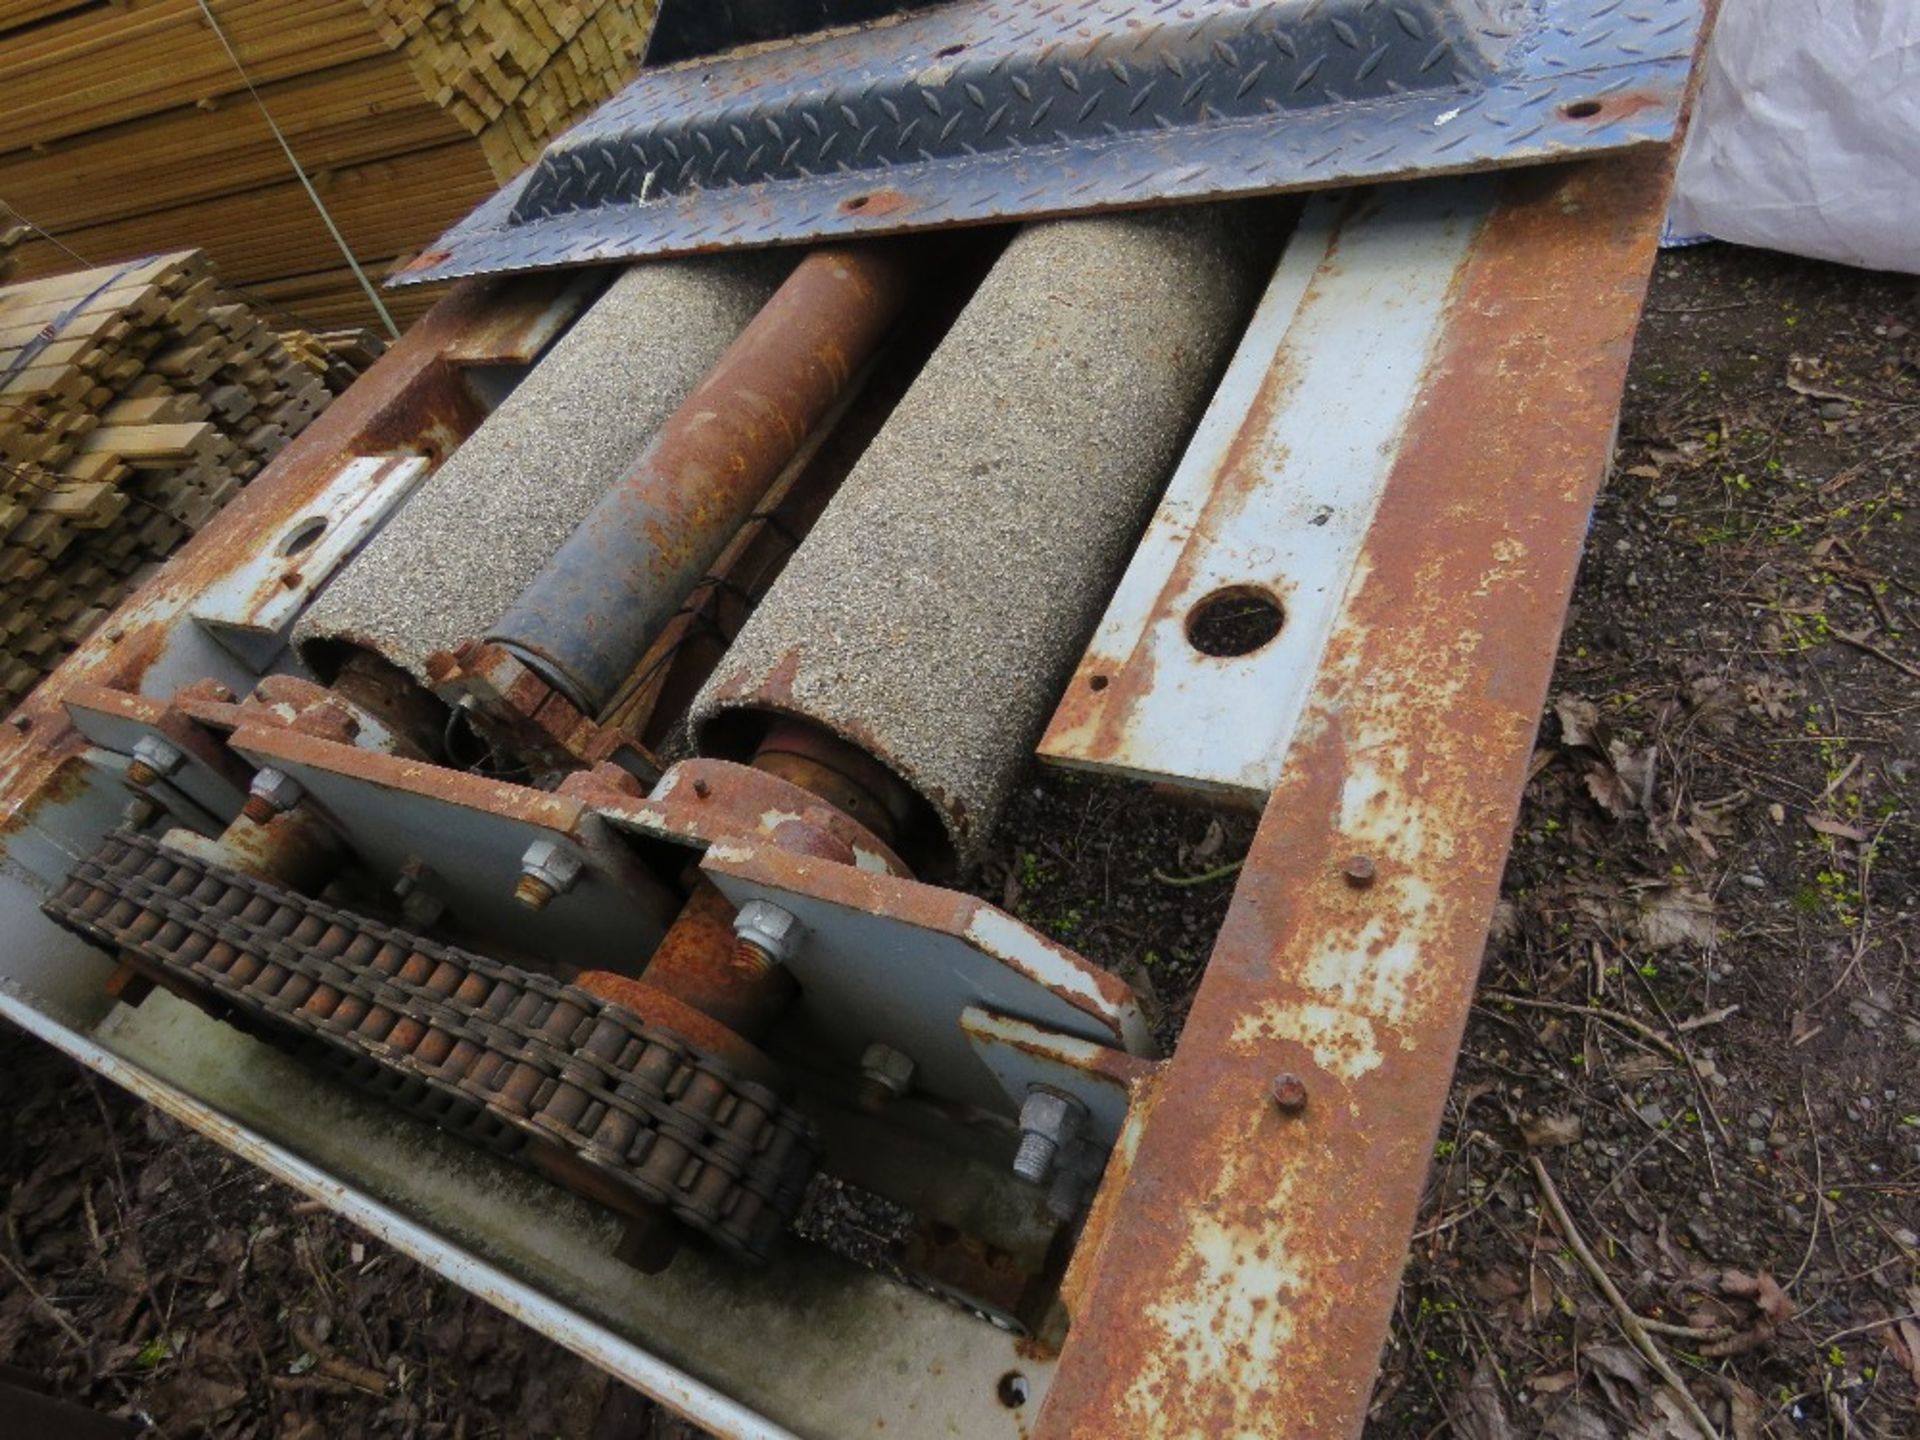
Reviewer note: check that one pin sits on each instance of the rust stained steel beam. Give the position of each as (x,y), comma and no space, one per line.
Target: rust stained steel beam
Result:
(1241,1269)
(585,620)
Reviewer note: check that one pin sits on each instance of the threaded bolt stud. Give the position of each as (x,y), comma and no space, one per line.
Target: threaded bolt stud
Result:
(533,892)
(1034,1158)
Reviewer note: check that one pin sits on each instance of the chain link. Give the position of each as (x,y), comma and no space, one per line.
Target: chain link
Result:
(512,1059)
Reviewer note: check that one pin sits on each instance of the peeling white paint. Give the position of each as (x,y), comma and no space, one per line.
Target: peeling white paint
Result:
(871,862)
(1342,1041)
(1235,1319)
(1006,939)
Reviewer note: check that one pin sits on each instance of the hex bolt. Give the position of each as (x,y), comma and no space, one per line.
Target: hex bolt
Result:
(767,934)
(885,1075)
(546,870)
(153,759)
(1048,1120)
(412,872)
(272,793)
(1290,1093)
(1360,871)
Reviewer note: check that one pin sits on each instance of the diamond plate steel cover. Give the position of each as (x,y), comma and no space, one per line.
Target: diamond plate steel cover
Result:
(987,110)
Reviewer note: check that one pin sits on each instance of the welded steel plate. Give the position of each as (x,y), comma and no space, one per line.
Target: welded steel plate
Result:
(986,110)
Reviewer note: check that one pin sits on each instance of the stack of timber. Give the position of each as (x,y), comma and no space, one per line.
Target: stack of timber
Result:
(135,401)
(338,357)
(126,129)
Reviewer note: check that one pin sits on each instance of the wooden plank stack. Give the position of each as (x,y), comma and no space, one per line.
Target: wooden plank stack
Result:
(135,400)
(516,75)
(126,129)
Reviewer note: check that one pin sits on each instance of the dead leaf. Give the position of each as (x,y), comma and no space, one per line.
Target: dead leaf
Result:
(1773,1309)
(1543,1132)
(1621,1364)
(1636,769)
(1744,1411)
(1771,698)
(1579,720)
(1610,792)
(1676,916)
(1669,1421)
(1642,1065)
(1800,369)
(1613,1363)
(1762,1290)
(1903,1340)
(1576,1422)
(1477,1412)
(1838,829)
(1211,842)
(1643,472)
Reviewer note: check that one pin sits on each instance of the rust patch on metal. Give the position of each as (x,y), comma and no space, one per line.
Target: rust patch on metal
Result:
(1248,1257)
(700,963)
(879,204)
(702,802)
(522,323)
(389,772)
(1606,109)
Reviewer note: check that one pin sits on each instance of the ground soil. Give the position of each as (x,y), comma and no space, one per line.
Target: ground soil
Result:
(1698,1029)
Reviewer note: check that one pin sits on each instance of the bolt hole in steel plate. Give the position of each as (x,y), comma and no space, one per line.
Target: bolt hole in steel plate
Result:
(984,110)
(1236,620)
(303,535)
(1013,1390)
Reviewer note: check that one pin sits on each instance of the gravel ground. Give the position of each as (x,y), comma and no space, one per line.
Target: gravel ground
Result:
(1698,1034)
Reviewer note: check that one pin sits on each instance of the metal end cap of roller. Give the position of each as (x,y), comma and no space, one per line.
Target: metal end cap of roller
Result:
(931,842)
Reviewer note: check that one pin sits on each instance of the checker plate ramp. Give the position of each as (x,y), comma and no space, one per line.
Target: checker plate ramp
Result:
(984,110)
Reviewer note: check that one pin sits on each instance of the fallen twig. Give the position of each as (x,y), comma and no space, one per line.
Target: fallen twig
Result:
(1819,1186)
(1871,1325)
(1205,877)
(54,1312)
(1631,1324)
(1711,1017)
(1866,646)
(1627,1022)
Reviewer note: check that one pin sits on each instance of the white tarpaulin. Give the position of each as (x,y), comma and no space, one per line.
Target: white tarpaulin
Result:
(1807,137)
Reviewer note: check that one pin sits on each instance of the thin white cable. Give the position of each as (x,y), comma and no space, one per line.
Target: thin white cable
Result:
(326,217)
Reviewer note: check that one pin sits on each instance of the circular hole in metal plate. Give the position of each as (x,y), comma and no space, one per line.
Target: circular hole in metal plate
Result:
(1013,1389)
(1582,109)
(1235,620)
(303,535)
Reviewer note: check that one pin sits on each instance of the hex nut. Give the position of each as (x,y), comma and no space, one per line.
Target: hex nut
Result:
(1048,1120)
(276,789)
(550,864)
(887,1067)
(767,928)
(153,759)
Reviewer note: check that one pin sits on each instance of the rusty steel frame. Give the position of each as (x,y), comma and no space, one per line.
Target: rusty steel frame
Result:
(1238,1269)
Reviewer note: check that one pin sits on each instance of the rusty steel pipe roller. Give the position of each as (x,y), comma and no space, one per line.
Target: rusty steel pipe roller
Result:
(931,615)
(587,617)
